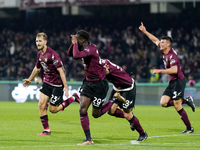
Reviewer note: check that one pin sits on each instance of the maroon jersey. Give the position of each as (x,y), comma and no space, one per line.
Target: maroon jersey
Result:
(70,50)
(117,76)
(93,69)
(171,59)
(49,62)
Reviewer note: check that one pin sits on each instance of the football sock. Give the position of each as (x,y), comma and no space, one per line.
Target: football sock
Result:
(105,107)
(184,117)
(67,102)
(44,121)
(119,113)
(47,129)
(135,123)
(87,134)
(85,125)
(171,103)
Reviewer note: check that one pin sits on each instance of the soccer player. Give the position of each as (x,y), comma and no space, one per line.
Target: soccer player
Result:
(174,93)
(95,86)
(54,81)
(124,87)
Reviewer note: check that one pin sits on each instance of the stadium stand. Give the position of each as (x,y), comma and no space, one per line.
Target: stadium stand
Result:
(117,37)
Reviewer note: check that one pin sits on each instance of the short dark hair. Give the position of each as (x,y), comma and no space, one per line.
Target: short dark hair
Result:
(167,38)
(83,34)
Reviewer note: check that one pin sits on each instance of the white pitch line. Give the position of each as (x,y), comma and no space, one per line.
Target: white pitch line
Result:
(131,142)
(136,142)
(171,135)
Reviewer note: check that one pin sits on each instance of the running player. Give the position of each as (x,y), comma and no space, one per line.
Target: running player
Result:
(54,81)
(95,86)
(124,87)
(174,93)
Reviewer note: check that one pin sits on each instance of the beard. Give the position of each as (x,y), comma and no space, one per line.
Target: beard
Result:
(39,47)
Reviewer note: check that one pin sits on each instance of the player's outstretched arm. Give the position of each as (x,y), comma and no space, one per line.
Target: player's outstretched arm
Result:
(32,76)
(150,36)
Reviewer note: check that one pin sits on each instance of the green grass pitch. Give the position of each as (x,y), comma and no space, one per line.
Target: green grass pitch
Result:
(20,124)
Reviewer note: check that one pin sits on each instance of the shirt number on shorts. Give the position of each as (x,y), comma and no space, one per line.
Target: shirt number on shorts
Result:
(127,104)
(176,94)
(54,99)
(97,101)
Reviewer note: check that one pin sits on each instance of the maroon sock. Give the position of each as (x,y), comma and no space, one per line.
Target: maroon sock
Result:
(136,124)
(105,107)
(44,121)
(118,113)
(170,103)
(67,102)
(85,125)
(184,117)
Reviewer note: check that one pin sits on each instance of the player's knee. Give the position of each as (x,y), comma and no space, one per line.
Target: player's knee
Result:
(95,115)
(126,115)
(111,112)
(163,104)
(41,106)
(53,110)
(82,110)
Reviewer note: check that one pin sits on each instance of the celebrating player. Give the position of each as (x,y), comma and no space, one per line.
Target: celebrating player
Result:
(54,81)
(95,86)
(174,93)
(124,87)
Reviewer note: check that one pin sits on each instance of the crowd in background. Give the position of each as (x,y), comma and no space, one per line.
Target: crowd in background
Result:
(124,45)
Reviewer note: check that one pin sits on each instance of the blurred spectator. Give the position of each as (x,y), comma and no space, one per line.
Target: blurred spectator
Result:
(123,45)
(191,82)
(154,77)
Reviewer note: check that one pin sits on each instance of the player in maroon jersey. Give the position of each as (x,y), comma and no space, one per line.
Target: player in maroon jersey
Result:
(95,86)
(123,87)
(174,93)
(54,81)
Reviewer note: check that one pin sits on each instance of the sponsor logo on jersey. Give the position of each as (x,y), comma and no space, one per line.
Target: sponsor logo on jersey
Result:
(172,61)
(55,62)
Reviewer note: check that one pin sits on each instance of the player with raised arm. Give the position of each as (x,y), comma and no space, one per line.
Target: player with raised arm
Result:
(95,86)
(54,81)
(174,93)
(124,87)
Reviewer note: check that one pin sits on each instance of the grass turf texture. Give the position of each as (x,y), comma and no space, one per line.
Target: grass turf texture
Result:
(20,124)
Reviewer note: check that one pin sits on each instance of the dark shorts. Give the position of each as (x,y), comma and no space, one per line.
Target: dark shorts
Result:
(175,89)
(130,98)
(55,93)
(97,91)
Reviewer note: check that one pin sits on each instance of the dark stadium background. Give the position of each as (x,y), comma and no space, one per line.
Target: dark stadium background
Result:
(113,28)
